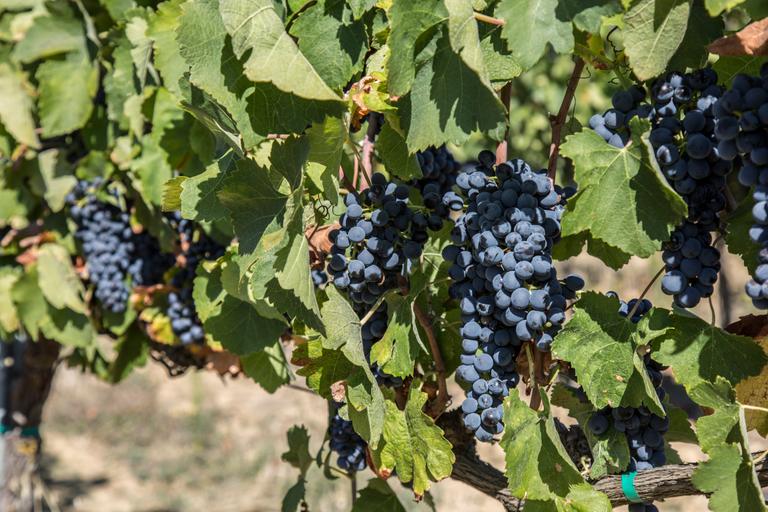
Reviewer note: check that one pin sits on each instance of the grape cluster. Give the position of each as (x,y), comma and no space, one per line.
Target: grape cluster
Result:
(682,136)
(439,169)
(643,429)
(196,246)
(691,264)
(113,252)
(742,131)
(504,279)
(345,442)
(576,445)
(379,240)
(319,277)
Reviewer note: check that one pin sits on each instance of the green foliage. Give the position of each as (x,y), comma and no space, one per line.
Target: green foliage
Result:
(249,119)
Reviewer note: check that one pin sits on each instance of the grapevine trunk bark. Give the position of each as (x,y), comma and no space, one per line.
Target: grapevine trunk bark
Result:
(24,395)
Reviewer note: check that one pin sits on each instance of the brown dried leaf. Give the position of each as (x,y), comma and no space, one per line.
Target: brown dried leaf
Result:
(754,391)
(751,40)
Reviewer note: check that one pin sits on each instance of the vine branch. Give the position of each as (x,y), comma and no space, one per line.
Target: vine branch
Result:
(559,120)
(438,405)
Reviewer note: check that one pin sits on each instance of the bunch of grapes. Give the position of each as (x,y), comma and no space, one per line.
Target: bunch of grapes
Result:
(691,264)
(112,251)
(319,277)
(643,429)
(613,125)
(575,443)
(440,170)
(196,246)
(379,240)
(742,131)
(347,444)
(503,277)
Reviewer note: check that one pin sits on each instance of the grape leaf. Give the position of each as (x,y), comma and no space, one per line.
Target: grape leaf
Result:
(30,303)
(394,153)
(198,193)
(693,52)
(654,30)
(57,279)
(67,88)
(326,144)
(360,7)
(737,235)
(397,350)
(322,367)
(754,391)
(57,178)
(623,200)
(580,498)
(600,345)
(16,106)
(298,454)
(530,26)
(49,36)
(141,53)
(201,37)
(132,352)
(9,319)
(501,63)
(68,327)
(587,15)
(332,40)
(268,367)
(698,351)
(413,445)
(610,451)
(241,328)
(119,84)
(153,171)
(163,25)
(252,201)
(256,28)
(729,473)
(377,497)
(715,7)
(727,67)
(537,465)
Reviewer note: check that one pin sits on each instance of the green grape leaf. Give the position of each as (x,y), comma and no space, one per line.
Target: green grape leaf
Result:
(737,235)
(413,445)
(580,498)
(729,473)
(679,427)
(198,199)
(410,22)
(9,319)
(201,36)
(163,25)
(393,151)
(396,352)
(57,177)
(378,496)
(587,15)
(322,367)
(119,84)
(332,40)
(153,171)
(600,345)
(693,52)
(727,67)
(537,465)
(501,62)
(241,328)
(360,7)
(50,36)
(30,303)
(530,26)
(757,10)
(654,30)
(132,352)
(610,451)
(698,351)
(141,53)
(715,7)
(268,367)
(67,89)
(57,279)
(16,106)
(326,144)
(256,28)
(623,200)
(68,327)
(252,201)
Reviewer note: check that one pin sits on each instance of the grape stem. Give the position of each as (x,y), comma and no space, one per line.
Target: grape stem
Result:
(645,291)
(754,408)
(557,122)
(376,306)
(353,486)
(359,161)
(712,309)
(369,144)
(535,368)
(489,19)
(438,405)
(502,149)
